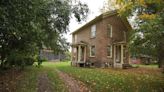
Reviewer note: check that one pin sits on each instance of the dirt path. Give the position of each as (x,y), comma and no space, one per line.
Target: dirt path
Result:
(44,83)
(72,84)
(9,79)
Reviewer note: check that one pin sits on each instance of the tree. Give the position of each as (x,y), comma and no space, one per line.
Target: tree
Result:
(148,34)
(26,26)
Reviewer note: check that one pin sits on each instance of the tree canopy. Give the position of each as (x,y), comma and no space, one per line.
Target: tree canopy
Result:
(26,26)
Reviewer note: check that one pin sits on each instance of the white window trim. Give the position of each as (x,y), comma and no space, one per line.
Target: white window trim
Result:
(74,50)
(111,49)
(111,34)
(124,35)
(75,38)
(93,29)
(111,28)
(90,51)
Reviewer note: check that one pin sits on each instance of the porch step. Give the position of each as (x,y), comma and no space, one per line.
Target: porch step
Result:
(126,66)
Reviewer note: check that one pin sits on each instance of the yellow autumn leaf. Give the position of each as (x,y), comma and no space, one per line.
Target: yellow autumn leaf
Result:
(148,16)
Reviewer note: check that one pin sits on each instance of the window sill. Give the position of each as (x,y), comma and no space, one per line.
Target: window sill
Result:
(92,56)
(109,56)
(92,37)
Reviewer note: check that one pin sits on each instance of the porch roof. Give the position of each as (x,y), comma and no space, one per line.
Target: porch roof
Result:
(123,42)
(82,43)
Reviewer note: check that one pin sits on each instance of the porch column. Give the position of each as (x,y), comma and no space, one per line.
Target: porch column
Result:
(114,55)
(79,53)
(122,53)
(85,53)
(76,54)
(72,54)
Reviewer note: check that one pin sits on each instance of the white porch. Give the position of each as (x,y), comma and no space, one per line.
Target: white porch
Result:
(119,54)
(79,54)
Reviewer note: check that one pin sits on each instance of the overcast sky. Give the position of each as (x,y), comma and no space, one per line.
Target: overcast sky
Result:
(94,7)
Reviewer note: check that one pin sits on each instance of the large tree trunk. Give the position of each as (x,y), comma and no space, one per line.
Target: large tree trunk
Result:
(3,56)
(161,53)
(2,62)
(161,62)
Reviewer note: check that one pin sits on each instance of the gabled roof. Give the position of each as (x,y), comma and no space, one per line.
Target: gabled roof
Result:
(102,16)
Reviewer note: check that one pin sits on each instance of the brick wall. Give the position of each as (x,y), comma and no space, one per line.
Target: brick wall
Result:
(101,41)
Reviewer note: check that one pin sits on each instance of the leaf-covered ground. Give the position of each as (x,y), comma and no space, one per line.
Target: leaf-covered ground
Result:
(32,79)
(56,77)
(117,80)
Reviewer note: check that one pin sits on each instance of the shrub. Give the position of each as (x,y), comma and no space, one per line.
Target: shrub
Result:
(44,60)
(17,58)
(40,60)
(29,61)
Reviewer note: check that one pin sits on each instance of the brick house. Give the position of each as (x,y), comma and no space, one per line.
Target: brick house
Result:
(102,42)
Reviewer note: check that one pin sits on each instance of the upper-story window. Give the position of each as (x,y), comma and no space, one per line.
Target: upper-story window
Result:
(124,35)
(75,38)
(93,31)
(109,30)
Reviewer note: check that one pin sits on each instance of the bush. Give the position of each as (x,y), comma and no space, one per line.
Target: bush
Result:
(40,60)
(20,59)
(44,60)
(29,61)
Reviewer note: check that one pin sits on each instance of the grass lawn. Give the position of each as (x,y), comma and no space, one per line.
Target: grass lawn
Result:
(145,66)
(96,79)
(116,80)
(29,79)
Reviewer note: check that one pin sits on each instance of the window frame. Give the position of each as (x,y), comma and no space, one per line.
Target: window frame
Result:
(90,52)
(93,31)
(111,30)
(75,38)
(124,35)
(111,50)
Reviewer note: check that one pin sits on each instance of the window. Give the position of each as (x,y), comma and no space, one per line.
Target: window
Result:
(92,51)
(109,50)
(75,38)
(75,50)
(93,31)
(109,30)
(124,35)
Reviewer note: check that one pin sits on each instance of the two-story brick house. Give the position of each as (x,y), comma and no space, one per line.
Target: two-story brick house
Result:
(102,42)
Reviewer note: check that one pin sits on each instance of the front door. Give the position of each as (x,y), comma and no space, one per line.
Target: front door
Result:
(81,54)
(118,55)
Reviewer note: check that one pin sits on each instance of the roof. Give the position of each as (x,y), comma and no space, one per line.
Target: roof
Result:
(102,16)
(80,43)
(122,42)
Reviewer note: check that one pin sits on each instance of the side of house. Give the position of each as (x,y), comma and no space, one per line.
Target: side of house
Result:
(50,56)
(102,41)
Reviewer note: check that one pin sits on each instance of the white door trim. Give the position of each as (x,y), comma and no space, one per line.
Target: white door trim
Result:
(114,56)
